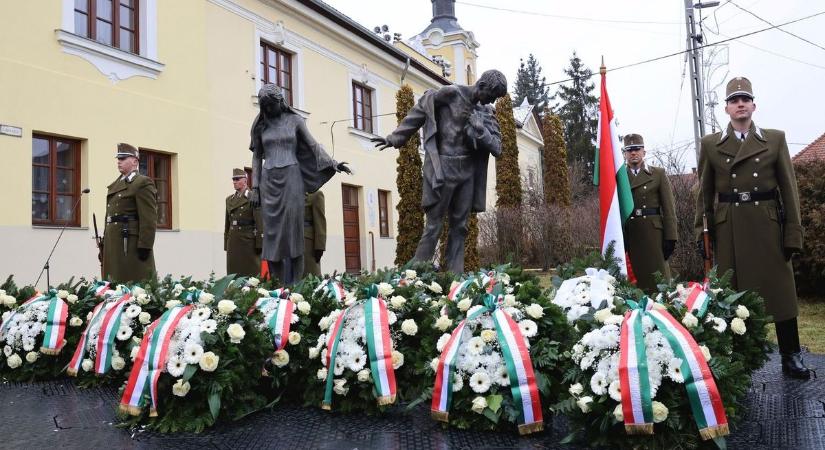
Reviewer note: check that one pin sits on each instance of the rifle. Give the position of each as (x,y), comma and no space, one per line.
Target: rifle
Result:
(708,247)
(99,243)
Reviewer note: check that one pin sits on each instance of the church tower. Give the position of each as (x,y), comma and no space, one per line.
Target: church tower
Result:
(448,44)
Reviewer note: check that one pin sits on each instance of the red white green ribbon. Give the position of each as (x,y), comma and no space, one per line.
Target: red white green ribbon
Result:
(53,341)
(698,299)
(106,336)
(262,301)
(459,288)
(704,397)
(705,400)
(101,287)
(150,362)
(336,290)
(379,348)
(80,350)
(280,321)
(517,360)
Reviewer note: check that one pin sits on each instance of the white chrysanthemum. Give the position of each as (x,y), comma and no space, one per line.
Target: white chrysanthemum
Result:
(690,320)
(409,327)
(464,304)
(280,358)
(181,388)
(339,366)
(598,383)
(475,346)
(209,326)
(502,377)
(124,333)
(321,374)
(236,333)
(480,382)
(357,360)
(528,328)
(659,412)
(132,311)
(443,322)
(201,313)
(488,335)
(742,312)
(584,403)
(175,366)
(118,363)
(737,325)
(364,375)
(458,382)
(226,307)
(397,359)
(674,370)
(192,353)
(719,324)
(615,390)
(442,342)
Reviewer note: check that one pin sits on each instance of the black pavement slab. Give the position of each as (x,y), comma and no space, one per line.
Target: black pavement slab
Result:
(781,414)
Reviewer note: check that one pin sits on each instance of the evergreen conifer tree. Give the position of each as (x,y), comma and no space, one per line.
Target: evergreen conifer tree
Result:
(530,84)
(578,111)
(409,182)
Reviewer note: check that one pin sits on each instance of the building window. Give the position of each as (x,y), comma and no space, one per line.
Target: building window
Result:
(384,213)
(55,181)
(362,107)
(276,68)
(158,167)
(110,22)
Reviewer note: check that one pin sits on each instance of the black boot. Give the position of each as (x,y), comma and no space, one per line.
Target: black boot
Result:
(787,335)
(793,366)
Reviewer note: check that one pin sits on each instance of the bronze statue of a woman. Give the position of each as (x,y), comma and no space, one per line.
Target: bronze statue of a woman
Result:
(286,163)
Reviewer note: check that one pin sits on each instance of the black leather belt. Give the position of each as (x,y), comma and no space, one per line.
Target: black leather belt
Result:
(121,218)
(642,212)
(243,222)
(747,197)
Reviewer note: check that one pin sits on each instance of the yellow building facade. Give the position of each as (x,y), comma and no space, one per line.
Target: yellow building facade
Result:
(178,79)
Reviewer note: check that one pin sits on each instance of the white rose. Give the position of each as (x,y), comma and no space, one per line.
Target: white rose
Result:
(584,403)
(280,358)
(172,303)
(324,323)
(398,301)
(479,403)
(321,374)
(71,298)
(133,354)
(263,292)
(534,310)
(206,298)
(339,386)
(14,361)
(705,352)
(304,307)
(252,281)
(226,307)
(434,364)
(576,389)
(397,359)
(144,317)
(742,312)
(618,413)
(442,342)
(443,322)
(488,335)
(391,317)
(364,375)
(62,294)
(31,357)
(142,299)
(602,315)
(690,320)
(409,327)
(435,287)
(384,289)
(118,363)
(138,291)
(313,353)
(245,289)
(235,333)
(719,324)
(75,321)
(465,304)
(410,274)
(737,325)
(659,412)
(294,338)
(509,300)
(87,365)
(181,388)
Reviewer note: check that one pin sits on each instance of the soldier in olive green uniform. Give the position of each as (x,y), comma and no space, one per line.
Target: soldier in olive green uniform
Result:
(749,195)
(242,235)
(131,220)
(315,232)
(650,233)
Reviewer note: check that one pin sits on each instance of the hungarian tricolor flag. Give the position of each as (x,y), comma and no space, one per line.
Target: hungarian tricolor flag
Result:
(615,197)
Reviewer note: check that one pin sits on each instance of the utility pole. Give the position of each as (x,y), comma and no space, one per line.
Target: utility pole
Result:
(695,67)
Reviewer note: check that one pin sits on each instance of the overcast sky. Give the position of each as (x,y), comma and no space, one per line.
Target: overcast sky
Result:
(649,99)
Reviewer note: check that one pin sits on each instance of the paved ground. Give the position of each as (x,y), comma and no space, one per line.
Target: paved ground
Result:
(782,414)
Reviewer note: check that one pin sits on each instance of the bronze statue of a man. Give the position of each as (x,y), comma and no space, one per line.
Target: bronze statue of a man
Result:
(286,163)
(460,132)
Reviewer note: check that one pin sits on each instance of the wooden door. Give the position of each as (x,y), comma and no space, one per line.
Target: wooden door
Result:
(352,232)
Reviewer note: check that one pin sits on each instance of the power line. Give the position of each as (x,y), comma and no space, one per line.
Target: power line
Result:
(557,16)
(670,55)
(780,29)
(780,55)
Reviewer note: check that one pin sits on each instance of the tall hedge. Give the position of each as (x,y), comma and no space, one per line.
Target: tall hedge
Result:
(508,178)
(809,267)
(409,181)
(555,171)
(471,261)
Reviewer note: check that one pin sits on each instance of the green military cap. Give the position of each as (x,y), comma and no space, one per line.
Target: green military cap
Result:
(124,150)
(632,141)
(739,86)
(238,173)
